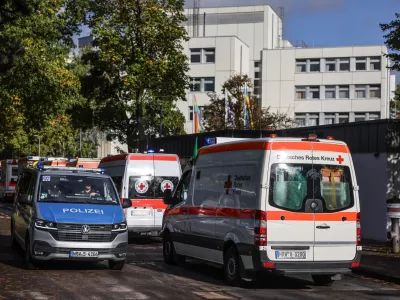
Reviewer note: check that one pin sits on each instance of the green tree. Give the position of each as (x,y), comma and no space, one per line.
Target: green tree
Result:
(215,115)
(395,104)
(36,86)
(137,63)
(392,40)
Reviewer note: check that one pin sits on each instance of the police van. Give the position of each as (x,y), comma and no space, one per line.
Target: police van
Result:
(63,213)
(143,177)
(283,205)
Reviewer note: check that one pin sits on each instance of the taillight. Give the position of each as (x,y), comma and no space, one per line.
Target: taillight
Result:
(358,230)
(260,228)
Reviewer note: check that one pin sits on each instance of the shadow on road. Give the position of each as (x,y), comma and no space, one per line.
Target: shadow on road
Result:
(203,272)
(144,240)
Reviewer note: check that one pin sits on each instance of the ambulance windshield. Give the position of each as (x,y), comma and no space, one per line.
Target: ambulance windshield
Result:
(292,184)
(77,189)
(150,186)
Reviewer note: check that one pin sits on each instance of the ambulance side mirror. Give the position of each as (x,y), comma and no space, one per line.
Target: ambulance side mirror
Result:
(167,197)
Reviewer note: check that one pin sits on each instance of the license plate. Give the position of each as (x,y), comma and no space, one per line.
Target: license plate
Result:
(290,254)
(83,253)
(151,233)
(140,212)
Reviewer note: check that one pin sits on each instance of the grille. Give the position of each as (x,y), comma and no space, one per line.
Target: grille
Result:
(72,233)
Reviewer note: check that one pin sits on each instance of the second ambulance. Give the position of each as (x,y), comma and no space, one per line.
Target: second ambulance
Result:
(283,205)
(143,178)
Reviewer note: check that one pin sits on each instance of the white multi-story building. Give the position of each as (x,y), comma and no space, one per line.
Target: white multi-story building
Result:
(315,86)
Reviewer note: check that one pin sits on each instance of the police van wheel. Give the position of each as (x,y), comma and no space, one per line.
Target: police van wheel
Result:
(323,280)
(116,265)
(29,262)
(232,266)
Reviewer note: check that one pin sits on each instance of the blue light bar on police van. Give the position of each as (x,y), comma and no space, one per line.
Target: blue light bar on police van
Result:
(210,141)
(78,169)
(150,151)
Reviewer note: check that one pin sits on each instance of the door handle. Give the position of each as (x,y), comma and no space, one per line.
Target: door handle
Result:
(323,227)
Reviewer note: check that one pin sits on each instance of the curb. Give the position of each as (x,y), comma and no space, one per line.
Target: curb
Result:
(376,275)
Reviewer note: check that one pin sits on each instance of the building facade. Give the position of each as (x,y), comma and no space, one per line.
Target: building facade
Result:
(315,86)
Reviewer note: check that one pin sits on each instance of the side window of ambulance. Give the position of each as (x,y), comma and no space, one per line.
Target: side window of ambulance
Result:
(206,187)
(182,190)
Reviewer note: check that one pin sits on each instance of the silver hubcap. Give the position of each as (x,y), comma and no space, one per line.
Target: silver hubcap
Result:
(232,267)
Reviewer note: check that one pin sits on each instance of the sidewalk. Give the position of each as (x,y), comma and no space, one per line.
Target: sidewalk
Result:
(378,261)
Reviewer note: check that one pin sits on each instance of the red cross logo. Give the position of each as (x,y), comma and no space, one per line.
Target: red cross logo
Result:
(141,186)
(228,184)
(167,186)
(340,159)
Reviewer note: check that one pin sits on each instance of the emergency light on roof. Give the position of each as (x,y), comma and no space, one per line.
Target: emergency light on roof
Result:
(273,135)
(330,137)
(312,138)
(57,168)
(150,151)
(161,150)
(210,141)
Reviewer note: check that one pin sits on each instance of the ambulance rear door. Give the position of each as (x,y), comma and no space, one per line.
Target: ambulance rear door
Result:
(335,194)
(12,176)
(290,220)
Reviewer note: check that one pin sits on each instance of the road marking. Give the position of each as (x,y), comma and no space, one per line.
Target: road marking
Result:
(213,295)
(38,296)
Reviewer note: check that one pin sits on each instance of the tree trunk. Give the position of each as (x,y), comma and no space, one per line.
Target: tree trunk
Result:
(130,139)
(139,118)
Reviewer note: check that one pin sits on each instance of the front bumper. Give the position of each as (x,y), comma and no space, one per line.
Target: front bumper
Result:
(45,247)
(259,261)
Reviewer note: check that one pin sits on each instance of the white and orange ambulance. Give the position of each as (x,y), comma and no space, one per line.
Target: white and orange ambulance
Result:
(9,178)
(55,161)
(142,178)
(83,162)
(283,205)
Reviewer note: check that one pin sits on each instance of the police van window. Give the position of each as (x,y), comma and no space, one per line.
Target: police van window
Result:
(77,189)
(206,187)
(24,184)
(292,184)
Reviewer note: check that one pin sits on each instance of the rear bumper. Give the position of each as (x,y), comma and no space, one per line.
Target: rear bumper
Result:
(260,262)
(140,229)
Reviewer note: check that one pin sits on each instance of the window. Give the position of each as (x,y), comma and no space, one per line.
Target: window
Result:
(209,55)
(257,90)
(300,92)
(312,120)
(206,186)
(374,91)
(206,84)
(314,92)
(343,118)
(360,91)
(329,119)
(199,55)
(23,185)
(361,63)
(14,172)
(359,117)
(195,56)
(300,120)
(301,65)
(195,84)
(375,63)
(257,75)
(181,192)
(314,65)
(292,184)
(191,112)
(257,64)
(209,84)
(330,92)
(374,116)
(344,64)
(330,65)
(150,187)
(344,92)
(118,183)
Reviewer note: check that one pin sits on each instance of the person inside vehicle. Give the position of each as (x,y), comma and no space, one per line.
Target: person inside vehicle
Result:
(88,190)
(54,190)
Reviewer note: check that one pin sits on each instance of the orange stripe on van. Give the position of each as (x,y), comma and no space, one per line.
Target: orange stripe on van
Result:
(154,203)
(330,147)
(289,216)
(155,157)
(291,146)
(350,216)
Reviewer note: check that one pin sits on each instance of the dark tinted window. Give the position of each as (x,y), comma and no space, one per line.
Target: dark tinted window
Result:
(292,184)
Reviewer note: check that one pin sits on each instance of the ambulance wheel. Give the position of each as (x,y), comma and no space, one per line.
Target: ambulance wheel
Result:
(116,265)
(322,280)
(232,266)
(169,254)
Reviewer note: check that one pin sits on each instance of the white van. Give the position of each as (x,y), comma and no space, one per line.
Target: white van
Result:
(284,205)
(9,178)
(143,178)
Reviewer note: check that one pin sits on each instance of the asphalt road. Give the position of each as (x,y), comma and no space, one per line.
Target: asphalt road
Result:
(145,276)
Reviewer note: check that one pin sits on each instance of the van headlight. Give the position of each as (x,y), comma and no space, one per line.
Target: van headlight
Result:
(43,224)
(119,227)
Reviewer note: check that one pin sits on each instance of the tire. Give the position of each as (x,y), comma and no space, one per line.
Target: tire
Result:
(14,243)
(28,260)
(116,265)
(323,280)
(232,267)
(169,254)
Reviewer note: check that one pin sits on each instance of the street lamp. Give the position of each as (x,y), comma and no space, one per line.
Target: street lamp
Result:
(38,136)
